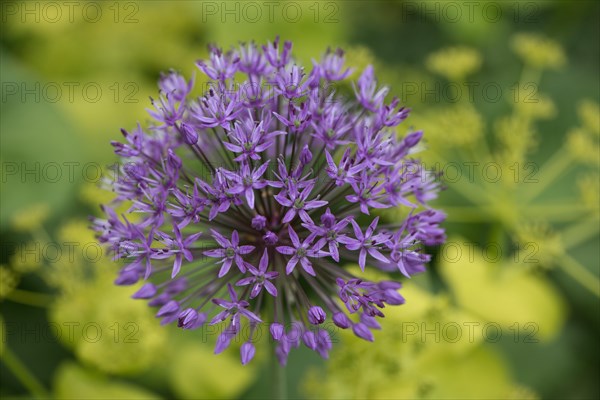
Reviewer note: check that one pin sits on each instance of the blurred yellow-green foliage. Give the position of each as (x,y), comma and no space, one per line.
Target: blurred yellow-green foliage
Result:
(508,96)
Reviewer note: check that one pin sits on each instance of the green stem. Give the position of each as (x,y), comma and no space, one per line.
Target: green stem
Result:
(21,372)
(466,214)
(579,273)
(552,169)
(29,298)
(530,75)
(279,375)
(474,192)
(580,232)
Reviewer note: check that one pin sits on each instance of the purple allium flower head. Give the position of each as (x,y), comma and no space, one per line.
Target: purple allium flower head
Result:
(267,170)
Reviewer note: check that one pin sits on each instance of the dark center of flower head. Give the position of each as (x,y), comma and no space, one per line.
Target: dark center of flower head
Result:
(289,181)
(301,252)
(248,146)
(332,235)
(330,133)
(248,181)
(230,252)
(298,204)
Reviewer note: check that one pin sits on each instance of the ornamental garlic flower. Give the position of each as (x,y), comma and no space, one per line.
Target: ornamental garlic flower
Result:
(249,200)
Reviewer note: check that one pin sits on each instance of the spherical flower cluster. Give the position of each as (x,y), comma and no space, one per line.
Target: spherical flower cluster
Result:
(249,200)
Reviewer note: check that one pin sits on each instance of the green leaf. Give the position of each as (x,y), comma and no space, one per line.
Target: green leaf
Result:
(74,382)
(504,292)
(38,143)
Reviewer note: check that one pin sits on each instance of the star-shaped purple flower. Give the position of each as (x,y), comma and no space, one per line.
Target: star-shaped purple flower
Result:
(230,251)
(329,233)
(297,203)
(249,140)
(246,180)
(300,253)
(233,309)
(260,277)
(367,242)
(179,247)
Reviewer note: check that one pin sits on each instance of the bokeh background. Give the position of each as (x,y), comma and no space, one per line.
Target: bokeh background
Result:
(507,93)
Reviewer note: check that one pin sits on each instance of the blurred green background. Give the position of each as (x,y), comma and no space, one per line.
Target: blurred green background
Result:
(507,93)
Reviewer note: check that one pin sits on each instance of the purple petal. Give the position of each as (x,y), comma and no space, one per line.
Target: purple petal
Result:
(315,204)
(246,249)
(255,290)
(362,259)
(245,281)
(168,309)
(176,265)
(310,340)
(250,315)
(369,321)
(264,262)
(232,293)
(333,250)
(357,232)
(276,330)
(294,236)
(223,242)
(376,254)
(291,265)
(341,320)
(372,227)
(307,266)
(225,268)
(362,331)
(250,198)
(289,215)
(147,291)
(235,239)
(287,250)
(284,201)
(271,288)
(215,253)
(316,315)
(247,352)
(223,342)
